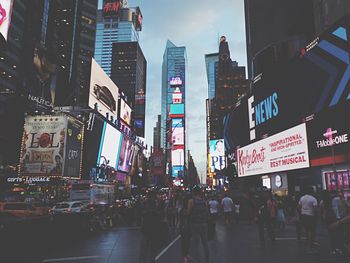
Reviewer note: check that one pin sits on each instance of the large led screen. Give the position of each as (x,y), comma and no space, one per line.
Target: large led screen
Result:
(177,170)
(217,155)
(5,17)
(109,146)
(177,137)
(176,123)
(103,92)
(177,157)
(125,112)
(287,150)
(125,155)
(177,109)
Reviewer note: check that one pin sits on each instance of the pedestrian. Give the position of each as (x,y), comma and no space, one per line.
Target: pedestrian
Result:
(198,213)
(185,230)
(227,205)
(329,217)
(280,215)
(308,210)
(263,218)
(179,207)
(151,220)
(213,212)
(237,208)
(272,208)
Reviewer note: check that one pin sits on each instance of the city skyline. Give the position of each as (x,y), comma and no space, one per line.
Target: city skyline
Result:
(199,31)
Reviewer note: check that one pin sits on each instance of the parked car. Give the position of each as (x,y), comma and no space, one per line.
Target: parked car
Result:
(68,207)
(104,94)
(19,209)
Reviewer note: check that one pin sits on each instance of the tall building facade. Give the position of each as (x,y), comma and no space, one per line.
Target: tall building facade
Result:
(45,62)
(115,23)
(129,68)
(285,24)
(156,133)
(211,65)
(173,136)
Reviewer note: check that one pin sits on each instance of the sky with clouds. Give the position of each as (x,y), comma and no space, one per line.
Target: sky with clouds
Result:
(195,24)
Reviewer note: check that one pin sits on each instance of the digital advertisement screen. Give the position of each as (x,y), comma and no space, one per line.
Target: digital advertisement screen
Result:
(110,146)
(217,155)
(177,109)
(121,177)
(177,157)
(177,137)
(125,112)
(5,17)
(125,155)
(176,123)
(175,81)
(103,92)
(177,170)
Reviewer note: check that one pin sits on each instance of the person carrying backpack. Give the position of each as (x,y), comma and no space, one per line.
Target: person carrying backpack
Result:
(198,213)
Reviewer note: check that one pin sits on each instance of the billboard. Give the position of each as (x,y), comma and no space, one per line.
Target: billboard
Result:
(158,162)
(287,93)
(177,96)
(109,146)
(177,157)
(217,155)
(74,149)
(125,112)
(287,150)
(177,109)
(103,92)
(175,82)
(43,146)
(125,155)
(5,17)
(178,136)
(337,180)
(329,136)
(177,171)
(176,123)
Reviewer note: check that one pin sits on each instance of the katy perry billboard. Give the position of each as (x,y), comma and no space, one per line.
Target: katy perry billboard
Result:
(287,150)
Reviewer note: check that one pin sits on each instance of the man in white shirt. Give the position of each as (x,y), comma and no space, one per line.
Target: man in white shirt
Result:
(308,211)
(214,211)
(227,205)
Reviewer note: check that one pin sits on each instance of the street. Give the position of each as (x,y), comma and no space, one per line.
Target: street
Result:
(238,243)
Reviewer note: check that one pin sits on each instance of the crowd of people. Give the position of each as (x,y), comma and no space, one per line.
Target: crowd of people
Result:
(194,215)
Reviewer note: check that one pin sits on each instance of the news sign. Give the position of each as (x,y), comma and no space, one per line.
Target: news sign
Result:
(5,17)
(287,150)
(43,146)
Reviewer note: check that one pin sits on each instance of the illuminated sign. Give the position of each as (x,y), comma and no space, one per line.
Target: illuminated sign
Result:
(103,92)
(111,8)
(177,170)
(177,109)
(284,151)
(263,111)
(177,157)
(217,155)
(5,17)
(332,140)
(125,112)
(177,137)
(177,96)
(176,123)
(175,81)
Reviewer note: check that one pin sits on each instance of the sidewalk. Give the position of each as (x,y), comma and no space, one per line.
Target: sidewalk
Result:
(240,244)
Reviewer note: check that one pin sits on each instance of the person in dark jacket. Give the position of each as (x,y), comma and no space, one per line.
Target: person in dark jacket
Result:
(198,214)
(151,220)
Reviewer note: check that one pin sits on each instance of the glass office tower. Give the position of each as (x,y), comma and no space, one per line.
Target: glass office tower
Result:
(173,136)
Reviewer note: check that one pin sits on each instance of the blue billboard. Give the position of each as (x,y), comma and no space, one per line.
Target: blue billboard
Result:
(177,109)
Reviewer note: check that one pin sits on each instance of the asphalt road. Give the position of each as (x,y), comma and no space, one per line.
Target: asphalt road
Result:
(238,243)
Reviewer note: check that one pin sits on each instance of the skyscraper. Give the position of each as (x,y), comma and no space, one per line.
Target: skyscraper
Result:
(115,23)
(129,73)
(211,63)
(173,136)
